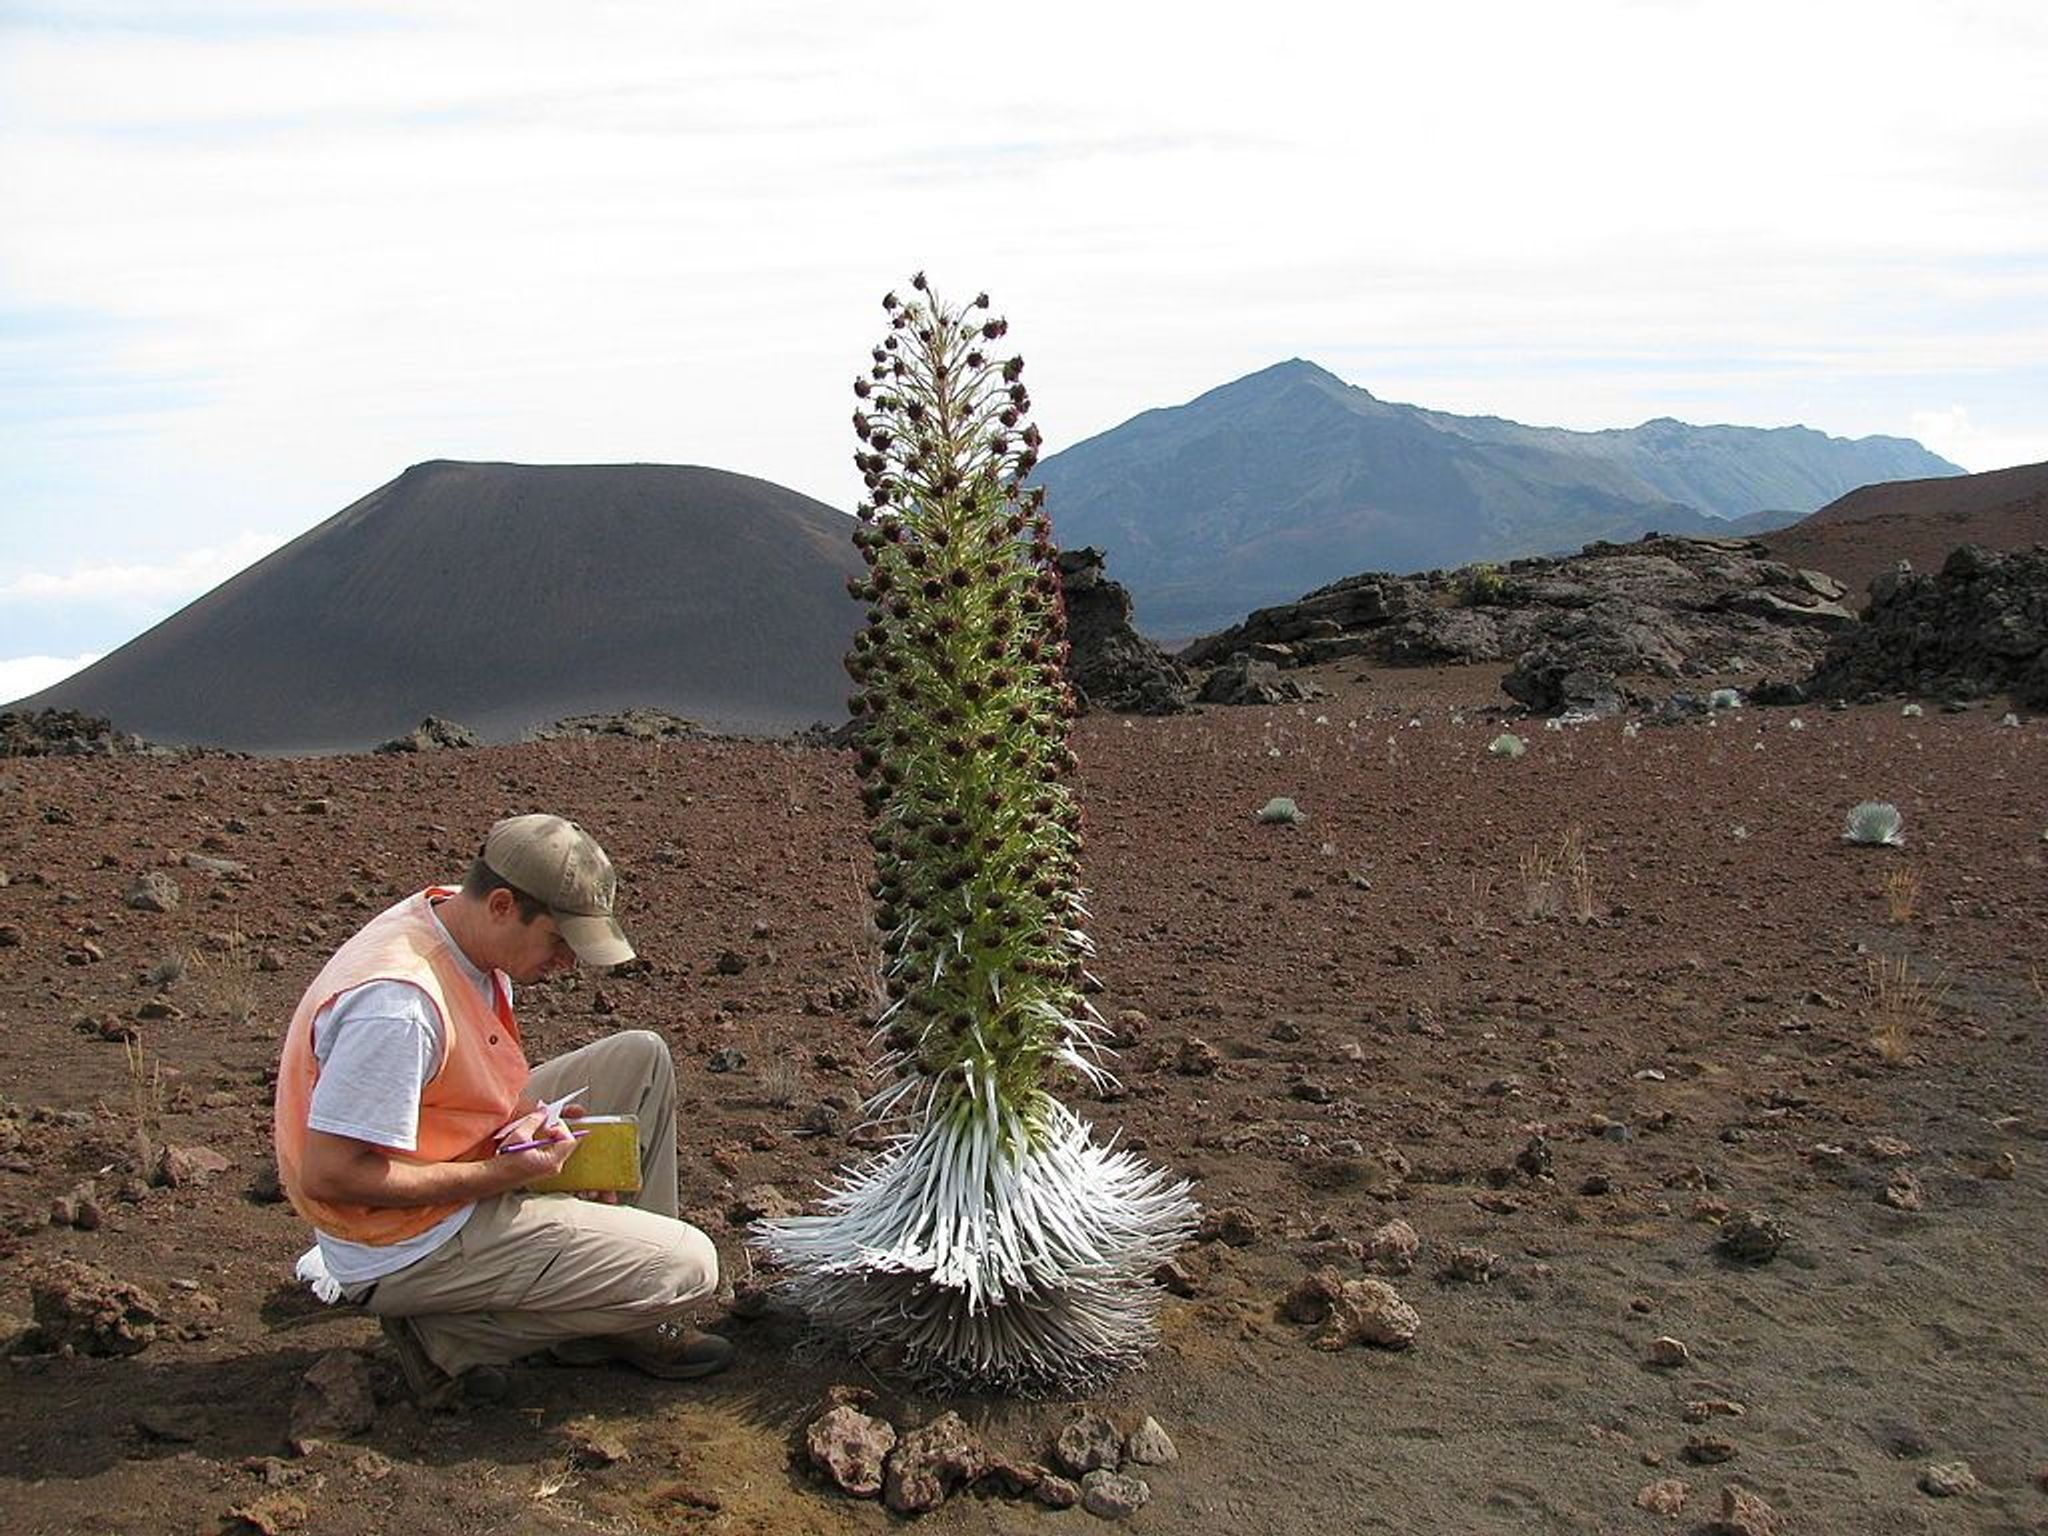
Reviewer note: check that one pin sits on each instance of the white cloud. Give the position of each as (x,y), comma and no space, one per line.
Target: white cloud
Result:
(187,575)
(21,676)
(1956,435)
(308,244)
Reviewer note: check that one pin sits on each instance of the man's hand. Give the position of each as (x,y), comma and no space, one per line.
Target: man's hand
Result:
(557,1143)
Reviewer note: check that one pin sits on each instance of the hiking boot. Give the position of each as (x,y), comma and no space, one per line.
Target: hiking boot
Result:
(431,1387)
(668,1350)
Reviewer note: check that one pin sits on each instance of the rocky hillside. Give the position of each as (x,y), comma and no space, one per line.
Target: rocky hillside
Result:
(1867,532)
(1271,485)
(1976,628)
(1661,607)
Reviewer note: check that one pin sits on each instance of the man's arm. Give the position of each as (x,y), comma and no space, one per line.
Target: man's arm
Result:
(344,1171)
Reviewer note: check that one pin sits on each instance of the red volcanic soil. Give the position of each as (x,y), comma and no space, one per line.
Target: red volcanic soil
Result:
(1867,532)
(1397,1008)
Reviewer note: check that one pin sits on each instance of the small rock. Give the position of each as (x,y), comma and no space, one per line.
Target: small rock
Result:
(182,1167)
(1947,1479)
(82,1307)
(1699,1410)
(334,1400)
(1535,1158)
(1708,1450)
(1233,1226)
(154,891)
(851,1448)
(1752,1237)
(1149,1445)
(1086,1443)
(1664,1497)
(1887,1149)
(1744,1514)
(1173,1278)
(265,1187)
(1113,1495)
(730,962)
(1669,1353)
(2002,1167)
(1392,1248)
(592,1445)
(1473,1266)
(1313,1296)
(929,1463)
(1902,1192)
(1197,1058)
(761,1202)
(1009,1479)
(727,1058)
(272,1515)
(1352,1312)
(1056,1492)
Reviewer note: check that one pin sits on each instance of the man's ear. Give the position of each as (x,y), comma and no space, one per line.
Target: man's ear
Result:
(499,903)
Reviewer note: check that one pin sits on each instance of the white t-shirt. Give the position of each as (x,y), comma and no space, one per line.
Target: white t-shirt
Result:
(378,1046)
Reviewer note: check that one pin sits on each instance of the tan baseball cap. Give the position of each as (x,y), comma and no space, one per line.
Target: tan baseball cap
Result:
(559,864)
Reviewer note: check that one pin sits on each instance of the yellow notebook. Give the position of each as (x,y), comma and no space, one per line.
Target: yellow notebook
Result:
(606,1159)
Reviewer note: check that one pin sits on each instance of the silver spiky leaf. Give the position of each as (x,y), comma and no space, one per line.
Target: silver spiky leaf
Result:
(1876,823)
(984,1251)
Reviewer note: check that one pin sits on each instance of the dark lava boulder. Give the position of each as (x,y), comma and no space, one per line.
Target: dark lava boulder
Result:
(63,733)
(1976,628)
(1111,665)
(1659,607)
(433,734)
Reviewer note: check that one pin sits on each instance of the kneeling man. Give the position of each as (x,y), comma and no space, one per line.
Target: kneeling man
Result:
(403,1077)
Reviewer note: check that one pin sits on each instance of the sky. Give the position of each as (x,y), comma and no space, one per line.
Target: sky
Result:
(257,258)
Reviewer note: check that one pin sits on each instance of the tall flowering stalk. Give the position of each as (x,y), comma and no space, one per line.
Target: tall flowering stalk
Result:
(993,1243)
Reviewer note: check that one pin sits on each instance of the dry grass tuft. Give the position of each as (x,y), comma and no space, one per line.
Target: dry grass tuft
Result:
(1478,897)
(1901,893)
(782,1081)
(1900,1005)
(170,969)
(145,1102)
(1558,882)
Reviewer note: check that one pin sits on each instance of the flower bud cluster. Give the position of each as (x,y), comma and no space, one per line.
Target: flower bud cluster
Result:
(965,709)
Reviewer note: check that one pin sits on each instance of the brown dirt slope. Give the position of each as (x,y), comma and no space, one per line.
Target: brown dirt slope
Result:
(504,596)
(1867,532)
(1412,1007)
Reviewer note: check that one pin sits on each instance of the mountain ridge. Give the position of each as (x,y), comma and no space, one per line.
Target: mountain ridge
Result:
(1289,477)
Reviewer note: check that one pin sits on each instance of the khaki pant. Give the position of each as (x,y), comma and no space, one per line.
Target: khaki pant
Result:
(529,1271)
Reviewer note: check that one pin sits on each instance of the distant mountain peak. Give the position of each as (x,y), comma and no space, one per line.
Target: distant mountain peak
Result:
(1285,375)
(1289,478)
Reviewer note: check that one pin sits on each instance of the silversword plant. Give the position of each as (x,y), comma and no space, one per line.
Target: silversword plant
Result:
(1876,823)
(994,1243)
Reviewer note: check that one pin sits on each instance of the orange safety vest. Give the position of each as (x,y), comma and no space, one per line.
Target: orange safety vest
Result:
(481,1080)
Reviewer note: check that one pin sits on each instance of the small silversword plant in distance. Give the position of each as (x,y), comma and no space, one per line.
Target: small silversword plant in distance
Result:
(994,1243)
(1876,823)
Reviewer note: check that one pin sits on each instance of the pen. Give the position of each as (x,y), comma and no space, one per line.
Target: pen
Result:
(528,1146)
